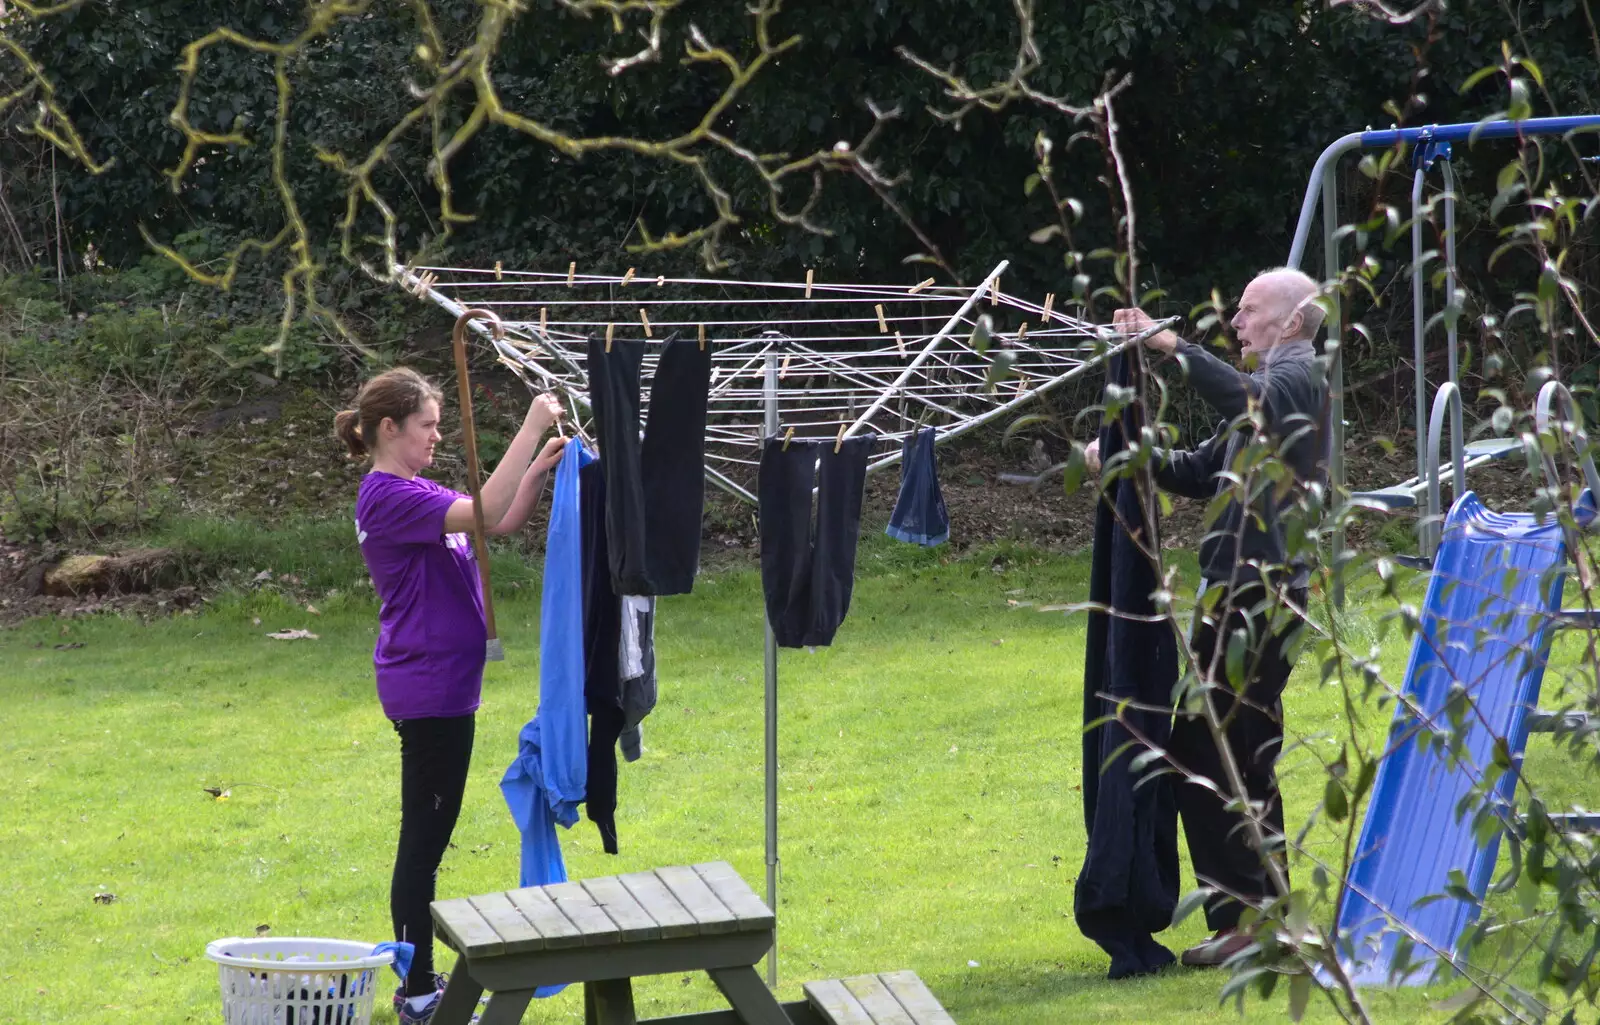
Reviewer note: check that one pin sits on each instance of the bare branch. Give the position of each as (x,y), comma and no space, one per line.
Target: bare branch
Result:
(1384,12)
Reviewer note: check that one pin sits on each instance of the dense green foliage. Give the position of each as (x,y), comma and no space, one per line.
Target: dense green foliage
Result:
(1229,105)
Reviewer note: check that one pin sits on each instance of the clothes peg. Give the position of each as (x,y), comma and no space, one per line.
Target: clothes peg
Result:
(572,270)
(702,338)
(994,290)
(662,280)
(883,325)
(1049,301)
(627,277)
(900,343)
(919,286)
(1022,332)
(788,437)
(609,329)
(838,442)
(497,270)
(542,314)
(783,371)
(645,320)
(809,273)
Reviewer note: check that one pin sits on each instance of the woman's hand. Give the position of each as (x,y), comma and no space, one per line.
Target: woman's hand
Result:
(548,457)
(545,413)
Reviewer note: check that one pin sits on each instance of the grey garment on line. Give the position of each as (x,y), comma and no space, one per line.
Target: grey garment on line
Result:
(636,659)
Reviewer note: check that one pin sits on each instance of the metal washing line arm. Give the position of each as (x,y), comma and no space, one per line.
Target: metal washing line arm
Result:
(927,350)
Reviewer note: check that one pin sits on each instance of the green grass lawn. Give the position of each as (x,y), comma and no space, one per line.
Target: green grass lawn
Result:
(930,764)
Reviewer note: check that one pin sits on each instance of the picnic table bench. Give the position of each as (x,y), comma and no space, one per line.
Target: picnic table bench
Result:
(607,931)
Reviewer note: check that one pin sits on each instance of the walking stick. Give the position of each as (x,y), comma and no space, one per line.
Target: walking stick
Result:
(493,651)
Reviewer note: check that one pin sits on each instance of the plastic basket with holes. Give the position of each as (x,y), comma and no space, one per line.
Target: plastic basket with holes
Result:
(286,980)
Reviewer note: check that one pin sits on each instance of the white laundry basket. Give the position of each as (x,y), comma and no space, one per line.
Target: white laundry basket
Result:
(297,981)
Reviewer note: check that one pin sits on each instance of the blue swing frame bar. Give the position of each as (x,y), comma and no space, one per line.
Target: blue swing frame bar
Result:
(1433,144)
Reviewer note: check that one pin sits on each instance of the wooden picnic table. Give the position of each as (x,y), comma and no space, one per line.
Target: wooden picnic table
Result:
(604,933)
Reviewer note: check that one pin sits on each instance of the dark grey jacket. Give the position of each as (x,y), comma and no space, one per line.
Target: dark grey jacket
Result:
(1291,388)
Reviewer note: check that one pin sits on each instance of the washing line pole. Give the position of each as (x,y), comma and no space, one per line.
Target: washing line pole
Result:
(770,422)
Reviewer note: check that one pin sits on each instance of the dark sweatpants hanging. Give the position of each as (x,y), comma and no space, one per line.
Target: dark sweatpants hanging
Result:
(808,562)
(616,701)
(655,489)
(1128,887)
(602,685)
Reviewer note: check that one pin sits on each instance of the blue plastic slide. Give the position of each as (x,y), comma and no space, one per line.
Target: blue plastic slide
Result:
(1496,585)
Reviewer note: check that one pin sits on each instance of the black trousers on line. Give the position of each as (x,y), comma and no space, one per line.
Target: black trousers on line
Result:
(434,755)
(655,488)
(1220,845)
(808,562)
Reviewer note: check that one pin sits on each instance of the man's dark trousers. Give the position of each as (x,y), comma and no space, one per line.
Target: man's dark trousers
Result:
(1221,847)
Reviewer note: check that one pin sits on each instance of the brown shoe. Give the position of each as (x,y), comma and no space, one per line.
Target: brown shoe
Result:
(1217,950)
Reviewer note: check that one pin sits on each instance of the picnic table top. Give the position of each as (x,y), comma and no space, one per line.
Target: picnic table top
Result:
(682,902)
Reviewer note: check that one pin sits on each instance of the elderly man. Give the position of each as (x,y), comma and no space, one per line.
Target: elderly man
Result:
(1243,554)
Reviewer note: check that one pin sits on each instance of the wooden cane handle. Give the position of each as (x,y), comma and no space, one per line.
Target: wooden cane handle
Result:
(493,650)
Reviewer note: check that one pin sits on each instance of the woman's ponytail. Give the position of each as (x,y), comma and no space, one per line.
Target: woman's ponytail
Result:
(347,428)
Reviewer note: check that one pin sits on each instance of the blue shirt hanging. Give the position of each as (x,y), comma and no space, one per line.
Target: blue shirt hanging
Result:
(546,782)
(919,514)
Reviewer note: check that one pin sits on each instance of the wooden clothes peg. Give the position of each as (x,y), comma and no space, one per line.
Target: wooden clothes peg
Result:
(788,437)
(702,338)
(572,270)
(609,329)
(838,442)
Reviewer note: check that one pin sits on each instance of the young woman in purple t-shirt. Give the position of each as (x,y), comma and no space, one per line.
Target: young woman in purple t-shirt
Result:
(414,537)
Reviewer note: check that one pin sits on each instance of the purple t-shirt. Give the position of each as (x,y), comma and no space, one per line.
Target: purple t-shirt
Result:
(431,630)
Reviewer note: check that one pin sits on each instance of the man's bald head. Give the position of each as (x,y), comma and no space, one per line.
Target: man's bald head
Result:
(1278,305)
(1296,292)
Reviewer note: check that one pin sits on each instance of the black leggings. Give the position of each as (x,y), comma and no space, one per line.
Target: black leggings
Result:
(434,754)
